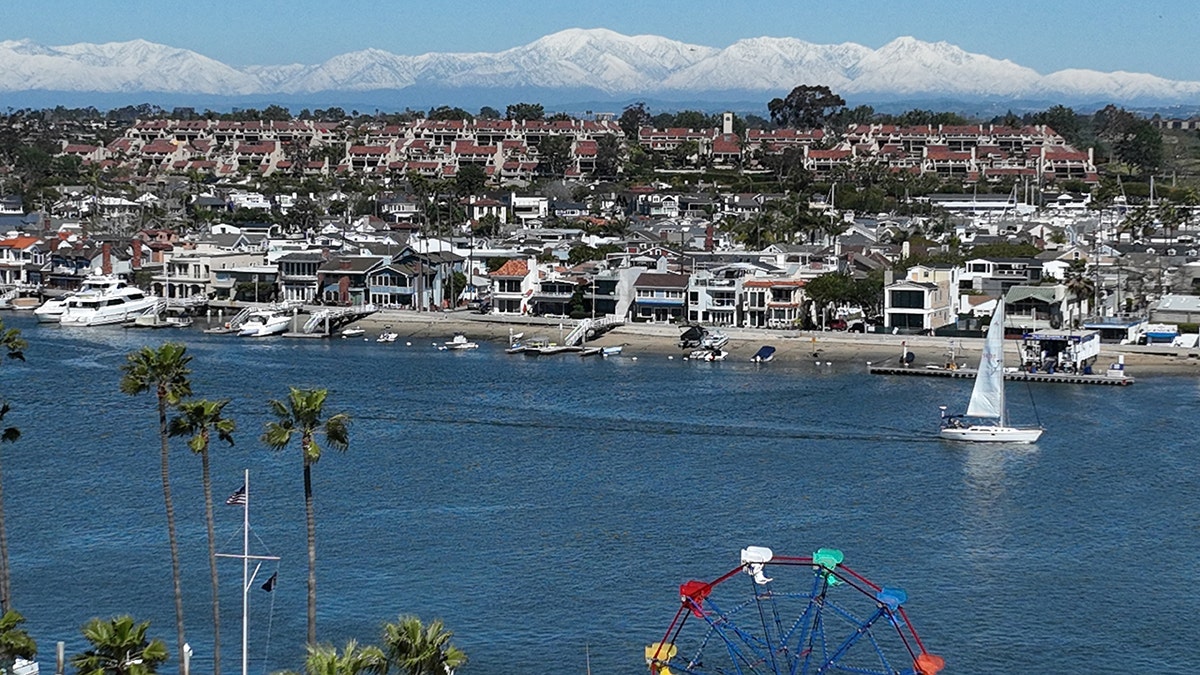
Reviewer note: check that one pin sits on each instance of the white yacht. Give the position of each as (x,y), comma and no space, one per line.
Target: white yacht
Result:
(118,305)
(266,322)
(51,310)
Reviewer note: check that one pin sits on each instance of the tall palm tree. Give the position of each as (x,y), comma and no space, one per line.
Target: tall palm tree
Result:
(354,660)
(14,346)
(15,643)
(1079,286)
(200,420)
(421,650)
(301,416)
(119,647)
(165,372)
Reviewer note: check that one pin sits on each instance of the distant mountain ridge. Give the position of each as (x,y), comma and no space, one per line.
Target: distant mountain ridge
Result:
(592,63)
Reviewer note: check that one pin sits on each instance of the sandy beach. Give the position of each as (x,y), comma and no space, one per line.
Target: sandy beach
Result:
(793,346)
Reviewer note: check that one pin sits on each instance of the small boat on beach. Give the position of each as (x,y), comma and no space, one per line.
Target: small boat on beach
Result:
(764,354)
(614,350)
(353,332)
(388,335)
(590,351)
(708,354)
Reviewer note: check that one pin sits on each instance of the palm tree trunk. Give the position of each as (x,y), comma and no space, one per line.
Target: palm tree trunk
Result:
(5,588)
(311,524)
(212,560)
(166,486)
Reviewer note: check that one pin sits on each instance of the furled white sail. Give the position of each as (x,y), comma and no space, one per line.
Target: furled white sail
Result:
(987,398)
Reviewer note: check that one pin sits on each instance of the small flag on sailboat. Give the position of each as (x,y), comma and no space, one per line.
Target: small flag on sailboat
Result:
(269,584)
(237,498)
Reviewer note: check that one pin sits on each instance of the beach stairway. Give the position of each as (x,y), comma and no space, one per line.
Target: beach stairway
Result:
(329,321)
(591,327)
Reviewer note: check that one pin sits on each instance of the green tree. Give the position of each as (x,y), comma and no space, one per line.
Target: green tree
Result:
(201,420)
(488,226)
(353,660)
(448,113)
(414,649)
(14,347)
(828,290)
(524,111)
(487,112)
(302,416)
(806,107)
(633,118)
(1079,286)
(608,156)
(165,372)
(119,647)
(15,643)
(554,155)
(469,180)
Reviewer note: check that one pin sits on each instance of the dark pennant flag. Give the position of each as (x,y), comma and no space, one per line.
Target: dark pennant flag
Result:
(269,585)
(238,498)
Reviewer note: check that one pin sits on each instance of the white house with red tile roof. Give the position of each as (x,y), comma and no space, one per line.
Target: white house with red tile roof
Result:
(513,285)
(773,302)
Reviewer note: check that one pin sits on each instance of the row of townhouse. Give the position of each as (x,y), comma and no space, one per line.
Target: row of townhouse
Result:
(508,149)
(969,152)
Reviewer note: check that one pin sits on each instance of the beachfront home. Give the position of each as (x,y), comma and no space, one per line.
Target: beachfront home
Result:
(1043,307)
(343,280)
(512,286)
(659,297)
(770,302)
(917,306)
(298,278)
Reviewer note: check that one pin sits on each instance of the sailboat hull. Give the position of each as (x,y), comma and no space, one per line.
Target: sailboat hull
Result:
(985,433)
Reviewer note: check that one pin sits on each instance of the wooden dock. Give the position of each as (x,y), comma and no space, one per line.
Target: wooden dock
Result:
(1019,376)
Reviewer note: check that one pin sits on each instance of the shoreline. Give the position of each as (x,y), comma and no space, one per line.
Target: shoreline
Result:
(791,346)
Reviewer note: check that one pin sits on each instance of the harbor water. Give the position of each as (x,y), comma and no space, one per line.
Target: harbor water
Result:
(547,509)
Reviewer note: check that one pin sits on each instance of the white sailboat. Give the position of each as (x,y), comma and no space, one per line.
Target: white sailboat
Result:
(987,398)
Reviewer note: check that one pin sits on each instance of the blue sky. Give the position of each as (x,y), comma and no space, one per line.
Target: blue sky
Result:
(1046,35)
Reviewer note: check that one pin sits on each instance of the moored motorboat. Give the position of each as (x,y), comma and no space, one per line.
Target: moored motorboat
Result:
(118,305)
(457,343)
(265,322)
(353,332)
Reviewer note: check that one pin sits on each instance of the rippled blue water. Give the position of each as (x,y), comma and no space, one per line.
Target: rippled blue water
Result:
(548,506)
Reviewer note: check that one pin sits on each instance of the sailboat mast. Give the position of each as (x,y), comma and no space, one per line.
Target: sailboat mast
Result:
(246,576)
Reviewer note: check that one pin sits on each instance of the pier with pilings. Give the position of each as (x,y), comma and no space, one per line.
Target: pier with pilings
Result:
(1108,378)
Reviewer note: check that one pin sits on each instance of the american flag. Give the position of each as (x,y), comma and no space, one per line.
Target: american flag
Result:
(237,498)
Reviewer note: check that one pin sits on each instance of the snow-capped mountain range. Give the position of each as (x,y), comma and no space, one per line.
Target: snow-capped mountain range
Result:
(598,61)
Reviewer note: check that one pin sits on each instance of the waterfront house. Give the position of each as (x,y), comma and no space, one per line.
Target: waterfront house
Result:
(659,296)
(773,302)
(1045,306)
(343,279)
(917,306)
(298,275)
(512,286)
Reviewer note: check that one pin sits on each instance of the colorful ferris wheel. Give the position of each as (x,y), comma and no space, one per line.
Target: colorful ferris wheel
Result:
(791,615)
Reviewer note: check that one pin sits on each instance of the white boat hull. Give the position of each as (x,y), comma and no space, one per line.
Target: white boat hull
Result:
(127,313)
(985,433)
(264,329)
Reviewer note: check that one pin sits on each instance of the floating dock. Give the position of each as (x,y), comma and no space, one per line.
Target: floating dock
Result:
(1018,376)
